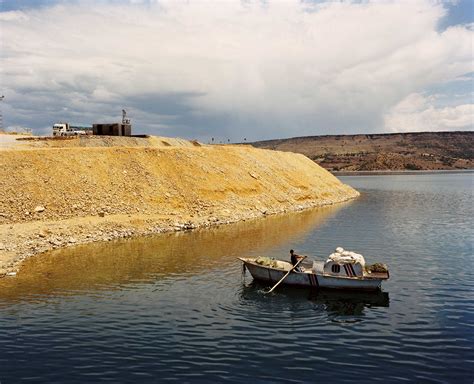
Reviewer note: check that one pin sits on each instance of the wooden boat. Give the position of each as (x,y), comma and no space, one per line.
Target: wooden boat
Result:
(339,271)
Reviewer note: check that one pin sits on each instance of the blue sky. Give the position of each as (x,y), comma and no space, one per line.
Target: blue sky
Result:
(459,12)
(234,69)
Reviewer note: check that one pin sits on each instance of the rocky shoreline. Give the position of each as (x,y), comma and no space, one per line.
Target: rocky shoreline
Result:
(20,241)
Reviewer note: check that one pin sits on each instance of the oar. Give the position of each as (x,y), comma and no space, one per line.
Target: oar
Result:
(284,277)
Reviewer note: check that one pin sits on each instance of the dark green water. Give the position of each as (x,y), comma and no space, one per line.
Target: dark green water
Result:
(175,308)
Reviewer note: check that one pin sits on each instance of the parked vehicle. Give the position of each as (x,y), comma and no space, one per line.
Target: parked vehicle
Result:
(64,129)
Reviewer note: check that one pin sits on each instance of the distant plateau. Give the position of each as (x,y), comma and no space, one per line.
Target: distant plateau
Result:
(413,151)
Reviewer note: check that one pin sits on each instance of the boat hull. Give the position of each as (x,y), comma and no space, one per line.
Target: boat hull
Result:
(310,279)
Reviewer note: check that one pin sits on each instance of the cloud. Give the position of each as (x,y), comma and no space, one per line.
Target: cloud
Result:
(418,113)
(228,69)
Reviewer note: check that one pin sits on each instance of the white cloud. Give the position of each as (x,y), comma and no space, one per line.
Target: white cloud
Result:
(12,16)
(263,70)
(418,113)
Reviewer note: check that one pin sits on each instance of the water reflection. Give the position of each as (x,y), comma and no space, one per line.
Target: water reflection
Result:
(341,306)
(144,260)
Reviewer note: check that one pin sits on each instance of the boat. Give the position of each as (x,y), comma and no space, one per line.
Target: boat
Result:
(342,270)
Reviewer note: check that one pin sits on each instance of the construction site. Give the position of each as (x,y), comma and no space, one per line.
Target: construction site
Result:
(124,128)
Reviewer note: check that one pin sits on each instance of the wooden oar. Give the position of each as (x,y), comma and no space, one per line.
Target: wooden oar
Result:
(284,277)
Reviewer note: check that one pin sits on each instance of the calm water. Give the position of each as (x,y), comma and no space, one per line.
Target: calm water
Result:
(175,308)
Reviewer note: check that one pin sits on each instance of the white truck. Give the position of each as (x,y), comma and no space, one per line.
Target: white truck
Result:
(64,129)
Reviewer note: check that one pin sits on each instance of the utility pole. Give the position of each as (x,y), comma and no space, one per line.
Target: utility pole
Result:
(125,119)
(1,115)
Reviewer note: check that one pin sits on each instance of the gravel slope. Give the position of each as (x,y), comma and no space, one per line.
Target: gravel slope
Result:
(55,197)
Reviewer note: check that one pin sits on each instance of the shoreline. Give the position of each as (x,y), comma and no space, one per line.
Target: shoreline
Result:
(87,190)
(397,172)
(20,241)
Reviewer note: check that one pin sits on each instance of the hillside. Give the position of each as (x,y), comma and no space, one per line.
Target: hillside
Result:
(378,152)
(66,192)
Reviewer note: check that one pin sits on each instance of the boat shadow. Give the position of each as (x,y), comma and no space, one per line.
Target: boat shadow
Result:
(338,304)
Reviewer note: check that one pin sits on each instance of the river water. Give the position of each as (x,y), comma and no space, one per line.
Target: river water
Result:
(176,307)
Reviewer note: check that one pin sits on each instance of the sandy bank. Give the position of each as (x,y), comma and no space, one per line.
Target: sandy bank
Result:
(56,197)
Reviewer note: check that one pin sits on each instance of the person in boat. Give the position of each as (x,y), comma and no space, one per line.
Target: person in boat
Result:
(294,259)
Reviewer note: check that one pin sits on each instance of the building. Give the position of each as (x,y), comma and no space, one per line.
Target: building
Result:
(114,129)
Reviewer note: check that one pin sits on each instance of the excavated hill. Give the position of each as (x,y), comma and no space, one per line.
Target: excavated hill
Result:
(53,196)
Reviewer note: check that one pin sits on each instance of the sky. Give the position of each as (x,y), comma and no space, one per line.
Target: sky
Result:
(235,70)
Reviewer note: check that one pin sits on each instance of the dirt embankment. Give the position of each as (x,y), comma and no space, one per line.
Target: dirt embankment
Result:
(65,195)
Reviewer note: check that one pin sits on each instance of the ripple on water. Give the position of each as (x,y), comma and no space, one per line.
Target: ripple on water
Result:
(176,307)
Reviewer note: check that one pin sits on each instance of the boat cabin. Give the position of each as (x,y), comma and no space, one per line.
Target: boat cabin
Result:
(343,269)
(344,264)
